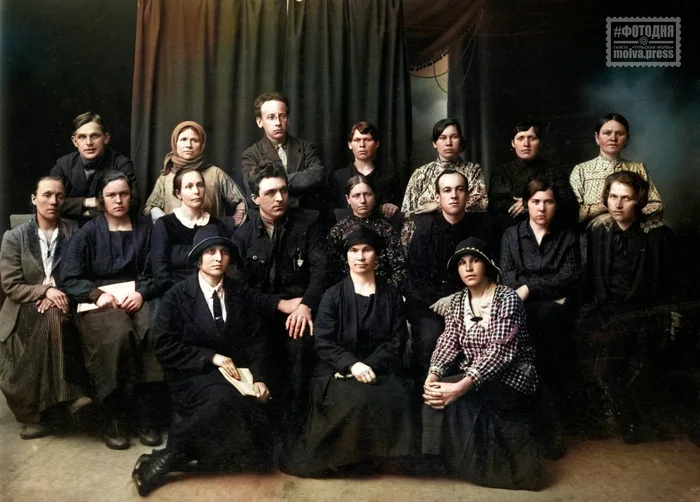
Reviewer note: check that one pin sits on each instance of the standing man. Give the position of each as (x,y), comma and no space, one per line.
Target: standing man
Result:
(299,157)
(284,253)
(82,170)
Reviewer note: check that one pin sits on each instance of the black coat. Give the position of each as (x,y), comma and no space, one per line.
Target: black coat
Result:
(386,187)
(337,335)
(187,337)
(71,170)
(88,262)
(292,266)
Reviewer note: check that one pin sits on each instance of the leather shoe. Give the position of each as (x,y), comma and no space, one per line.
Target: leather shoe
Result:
(149,436)
(34,431)
(151,471)
(115,435)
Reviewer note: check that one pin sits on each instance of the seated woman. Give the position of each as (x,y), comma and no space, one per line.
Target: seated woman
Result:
(360,411)
(207,332)
(479,420)
(540,260)
(364,143)
(359,195)
(223,199)
(629,272)
(113,249)
(449,142)
(173,233)
(40,361)
(612,132)
(509,181)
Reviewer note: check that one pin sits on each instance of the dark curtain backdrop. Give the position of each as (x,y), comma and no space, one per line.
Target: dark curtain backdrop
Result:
(203,60)
(346,62)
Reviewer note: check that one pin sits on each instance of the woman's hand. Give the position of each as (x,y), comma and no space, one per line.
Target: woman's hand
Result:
(58,298)
(107,301)
(43,305)
(227,364)
(428,207)
(442,306)
(517,208)
(261,391)
(523,292)
(289,306)
(437,395)
(362,373)
(132,303)
(389,210)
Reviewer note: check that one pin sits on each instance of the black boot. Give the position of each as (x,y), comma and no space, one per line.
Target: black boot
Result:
(149,435)
(115,435)
(152,470)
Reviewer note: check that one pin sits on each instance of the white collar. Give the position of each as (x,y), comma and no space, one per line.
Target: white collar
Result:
(201,221)
(207,288)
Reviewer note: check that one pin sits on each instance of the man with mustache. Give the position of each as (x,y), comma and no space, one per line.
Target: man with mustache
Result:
(284,254)
(299,157)
(82,170)
(430,285)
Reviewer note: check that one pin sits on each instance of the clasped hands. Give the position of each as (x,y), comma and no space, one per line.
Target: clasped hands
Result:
(262,393)
(299,317)
(53,298)
(132,303)
(363,373)
(438,394)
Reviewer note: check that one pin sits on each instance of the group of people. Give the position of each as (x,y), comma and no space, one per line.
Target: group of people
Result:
(301,288)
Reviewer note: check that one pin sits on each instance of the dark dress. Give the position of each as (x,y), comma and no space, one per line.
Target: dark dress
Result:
(484,435)
(116,343)
(349,422)
(171,242)
(213,423)
(386,187)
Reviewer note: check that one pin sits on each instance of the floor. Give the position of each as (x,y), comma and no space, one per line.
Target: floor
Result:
(78,468)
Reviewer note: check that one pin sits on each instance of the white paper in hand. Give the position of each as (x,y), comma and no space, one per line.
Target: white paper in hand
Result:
(245,384)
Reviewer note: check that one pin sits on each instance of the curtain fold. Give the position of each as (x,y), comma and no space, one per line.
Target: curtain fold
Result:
(345,62)
(202,60)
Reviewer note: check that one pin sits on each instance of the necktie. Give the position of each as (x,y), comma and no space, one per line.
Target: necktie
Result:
(282,154)
(218,315)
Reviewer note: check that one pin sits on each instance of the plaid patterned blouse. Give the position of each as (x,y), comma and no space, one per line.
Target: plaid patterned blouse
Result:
(421,186)
(495,346)
(588,180)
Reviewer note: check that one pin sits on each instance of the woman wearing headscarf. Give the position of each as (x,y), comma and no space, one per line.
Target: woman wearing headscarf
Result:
(477,420)
(188,143)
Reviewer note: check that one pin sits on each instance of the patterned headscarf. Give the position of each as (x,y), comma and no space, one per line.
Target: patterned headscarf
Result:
(173,162)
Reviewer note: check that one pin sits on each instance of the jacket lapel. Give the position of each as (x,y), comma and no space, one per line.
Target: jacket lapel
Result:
(197,309)
(293,155)
(31,240)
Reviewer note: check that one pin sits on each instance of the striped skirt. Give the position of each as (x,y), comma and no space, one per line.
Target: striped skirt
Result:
(40,363)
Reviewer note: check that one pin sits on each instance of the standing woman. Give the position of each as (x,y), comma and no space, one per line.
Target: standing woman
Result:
(110,249)
(360,412)
(174,233)
(449,142)
(223,198)
(40,363)
(478,420)
(612,132)
(359,195)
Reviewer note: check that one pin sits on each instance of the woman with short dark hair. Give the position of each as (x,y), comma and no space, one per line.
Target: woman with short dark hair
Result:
(448,140)
(477,411)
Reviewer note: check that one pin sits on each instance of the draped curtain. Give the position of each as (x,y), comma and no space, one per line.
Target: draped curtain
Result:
(339,62)
(203,60)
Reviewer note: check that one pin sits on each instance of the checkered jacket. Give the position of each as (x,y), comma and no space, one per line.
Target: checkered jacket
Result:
(502,351)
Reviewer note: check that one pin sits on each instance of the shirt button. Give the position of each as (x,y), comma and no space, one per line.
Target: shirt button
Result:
(255,257)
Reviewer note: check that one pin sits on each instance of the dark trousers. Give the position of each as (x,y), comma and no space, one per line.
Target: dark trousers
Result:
(426,328)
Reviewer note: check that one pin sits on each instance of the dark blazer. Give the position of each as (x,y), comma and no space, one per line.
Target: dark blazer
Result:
(305,172)
(336,330)
(22,269)
(186,336)
(295,265)
(88,261)
(70,169)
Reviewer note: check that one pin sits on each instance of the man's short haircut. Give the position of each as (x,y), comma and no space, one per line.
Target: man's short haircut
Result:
(270,96)
(364,128)
(177,179)
(525,125)
(358,179)
(450,171)
(271,170)
(86,118)
(47,178)
(443,124)
(109,177)
(632,180)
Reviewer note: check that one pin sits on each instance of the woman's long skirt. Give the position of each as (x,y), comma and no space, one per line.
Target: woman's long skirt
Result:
(349,422)
(485,437)
(40,363)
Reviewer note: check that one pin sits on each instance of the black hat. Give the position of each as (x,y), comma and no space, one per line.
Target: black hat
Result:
(208,236)
(473,246)
(364,235)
